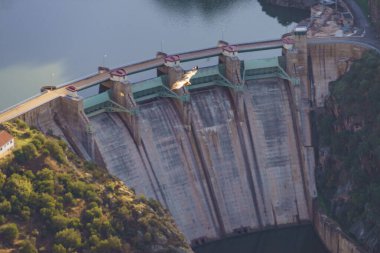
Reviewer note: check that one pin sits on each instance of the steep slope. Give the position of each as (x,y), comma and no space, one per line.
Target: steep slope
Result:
(349,134)
(52,201)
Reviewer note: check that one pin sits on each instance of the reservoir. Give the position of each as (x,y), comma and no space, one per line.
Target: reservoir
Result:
(49,42)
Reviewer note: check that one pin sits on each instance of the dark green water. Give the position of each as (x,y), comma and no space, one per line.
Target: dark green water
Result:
(301,239)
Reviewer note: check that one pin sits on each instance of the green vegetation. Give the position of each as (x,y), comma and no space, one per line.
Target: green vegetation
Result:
(349,130)
(52,201)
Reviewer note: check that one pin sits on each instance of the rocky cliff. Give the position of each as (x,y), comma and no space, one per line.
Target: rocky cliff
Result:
(374,9)
(348,176)
(328,63)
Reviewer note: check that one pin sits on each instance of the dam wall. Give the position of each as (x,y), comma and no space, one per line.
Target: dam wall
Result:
(332,236)
(221,175)
(64,117)
(327,63)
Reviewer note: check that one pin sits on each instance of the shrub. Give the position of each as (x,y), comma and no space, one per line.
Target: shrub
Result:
(25,213)
(59,248)
(36,143)
(55,151)
(27,247)
(26,153)
(21,124)
(25,135)
(30,151)
(69,238)
(2,219)
(2,179)
(111,245)
(79,188)
(59,222)
(19,186)
(68,198)
(19,156)
(9,232)
(40,137)
(5,207)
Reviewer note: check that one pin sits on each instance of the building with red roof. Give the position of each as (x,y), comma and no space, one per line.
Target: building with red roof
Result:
(7,142)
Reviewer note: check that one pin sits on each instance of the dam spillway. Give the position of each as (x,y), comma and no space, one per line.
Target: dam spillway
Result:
(220,174)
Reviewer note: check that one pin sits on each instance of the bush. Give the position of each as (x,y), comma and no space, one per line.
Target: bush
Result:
(9,233)
(25,135)
(69,238)
(58,248)
(27,247)
(18,185)
(2,179)
(25,154)
(5,207)
(30,151)
(21,124)
(37,143)
(25,213)
(79,188)
(111,245)
(68,198)
(19,156)
(55,151)
(59,222)
(40,137)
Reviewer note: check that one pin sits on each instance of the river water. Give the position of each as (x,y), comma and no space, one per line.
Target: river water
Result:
(48,42)
(300,239)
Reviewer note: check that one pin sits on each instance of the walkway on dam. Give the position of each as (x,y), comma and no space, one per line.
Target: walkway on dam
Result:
(43,98)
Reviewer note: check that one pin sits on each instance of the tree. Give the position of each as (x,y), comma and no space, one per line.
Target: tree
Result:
(9,233)
(69,238)
(55,151)
(27,247)
(111,245)
(19,186)
(5,207)
(58,248)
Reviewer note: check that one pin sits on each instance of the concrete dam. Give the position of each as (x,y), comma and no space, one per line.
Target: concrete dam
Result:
(230,154)
(222,174)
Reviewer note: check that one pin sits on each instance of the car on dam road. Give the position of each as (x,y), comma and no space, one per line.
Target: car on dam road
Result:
(48,88)
(72,91)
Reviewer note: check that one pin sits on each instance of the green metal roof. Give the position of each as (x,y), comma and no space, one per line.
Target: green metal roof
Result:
(147,84)
(95,100)
(209,71)
(261,63)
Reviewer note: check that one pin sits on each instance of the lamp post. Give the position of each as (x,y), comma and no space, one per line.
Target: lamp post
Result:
(52,78)
(104,60)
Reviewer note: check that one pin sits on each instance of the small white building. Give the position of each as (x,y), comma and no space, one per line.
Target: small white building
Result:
(172,60)
(7,142)
(230,50)
(118,75)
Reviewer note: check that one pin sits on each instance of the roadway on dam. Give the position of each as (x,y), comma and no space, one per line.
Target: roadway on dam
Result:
(89,81)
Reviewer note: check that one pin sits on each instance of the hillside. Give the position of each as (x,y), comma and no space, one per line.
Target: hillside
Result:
(52,201)
(348,177)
